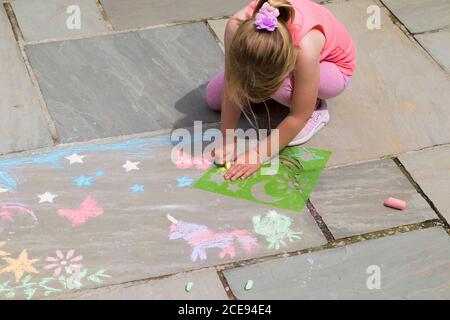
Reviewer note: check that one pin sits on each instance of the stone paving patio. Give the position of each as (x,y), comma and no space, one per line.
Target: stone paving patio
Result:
(86,180)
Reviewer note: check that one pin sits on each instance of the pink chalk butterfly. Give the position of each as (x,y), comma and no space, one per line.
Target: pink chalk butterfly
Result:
(88,209)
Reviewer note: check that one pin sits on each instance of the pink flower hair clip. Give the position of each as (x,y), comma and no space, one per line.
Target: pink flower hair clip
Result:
(266,18)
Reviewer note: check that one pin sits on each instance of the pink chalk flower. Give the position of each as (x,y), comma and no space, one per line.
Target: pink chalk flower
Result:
(69,263)
(266,18)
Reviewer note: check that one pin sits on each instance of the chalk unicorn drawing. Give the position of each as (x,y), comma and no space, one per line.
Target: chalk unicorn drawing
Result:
(200,238)
(11,210)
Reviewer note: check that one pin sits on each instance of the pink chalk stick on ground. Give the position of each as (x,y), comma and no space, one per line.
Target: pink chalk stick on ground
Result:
(395,203)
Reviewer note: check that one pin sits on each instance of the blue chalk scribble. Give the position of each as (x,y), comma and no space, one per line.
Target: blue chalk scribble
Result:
(83,181)
(137,188)
(184,181)
(99,173)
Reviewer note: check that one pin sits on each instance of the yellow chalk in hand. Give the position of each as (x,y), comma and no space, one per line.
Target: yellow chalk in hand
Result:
(228,165)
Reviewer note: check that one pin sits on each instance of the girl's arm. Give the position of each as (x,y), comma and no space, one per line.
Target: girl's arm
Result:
(306,74)
(231,113)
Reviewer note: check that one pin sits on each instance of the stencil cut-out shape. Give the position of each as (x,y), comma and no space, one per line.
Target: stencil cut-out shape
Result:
(234,187)
(276,228)
(309,155)
(201,238)
(137,188)
(83,181)
(184,181)
(87,210)
(130,166)
(218,177)
(258,191)
(75,158)
(68,262)
(19,266)
(288,188)
(10,212)
(47,197)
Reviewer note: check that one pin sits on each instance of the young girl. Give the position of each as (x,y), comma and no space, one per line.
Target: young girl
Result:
(295,52)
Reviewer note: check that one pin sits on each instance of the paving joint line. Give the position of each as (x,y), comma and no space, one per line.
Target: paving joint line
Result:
(237,264)
(388,156)
(215,36)
(433,31)
(226,285)
(419,190)
(396,20)
(319,220)
(129,283)
(114,31)
(20,41)
(104,15)
(106,140)
(341,242)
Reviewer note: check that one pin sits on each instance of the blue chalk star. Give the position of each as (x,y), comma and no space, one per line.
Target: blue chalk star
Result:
(99,173)
(137,188)
(184,182)
(83,181)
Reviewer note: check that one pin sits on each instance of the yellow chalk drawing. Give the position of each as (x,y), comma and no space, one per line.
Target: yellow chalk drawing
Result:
(19,266)
(3,253)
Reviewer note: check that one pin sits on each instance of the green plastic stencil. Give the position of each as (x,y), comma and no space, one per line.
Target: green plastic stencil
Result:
(289,188)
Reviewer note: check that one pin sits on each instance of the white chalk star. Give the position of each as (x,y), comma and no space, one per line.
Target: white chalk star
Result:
(75,158)
(46,197)
(129,166)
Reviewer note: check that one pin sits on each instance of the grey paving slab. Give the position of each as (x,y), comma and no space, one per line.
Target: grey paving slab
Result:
(206,286)
(392,104)
(431,170)
(421,15)
(129,82)
(40,20)
(412,265)
(350,199)
(111,208)
(21,121)
(140,13)
(218,27)
(438,45)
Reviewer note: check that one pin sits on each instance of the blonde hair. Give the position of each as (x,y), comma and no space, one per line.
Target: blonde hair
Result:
(258,61)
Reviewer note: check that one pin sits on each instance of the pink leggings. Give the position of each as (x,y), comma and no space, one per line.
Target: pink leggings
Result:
(332,83)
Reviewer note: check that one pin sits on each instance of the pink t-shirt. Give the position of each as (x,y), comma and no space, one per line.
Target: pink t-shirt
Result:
(339,47)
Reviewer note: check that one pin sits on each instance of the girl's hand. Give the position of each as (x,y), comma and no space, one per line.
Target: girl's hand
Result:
(224,155)
(246,164)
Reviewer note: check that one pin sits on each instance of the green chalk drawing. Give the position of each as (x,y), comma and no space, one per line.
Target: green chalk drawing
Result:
(189,286)
(249,285)
(29,285)
(276,228)
(289,188)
